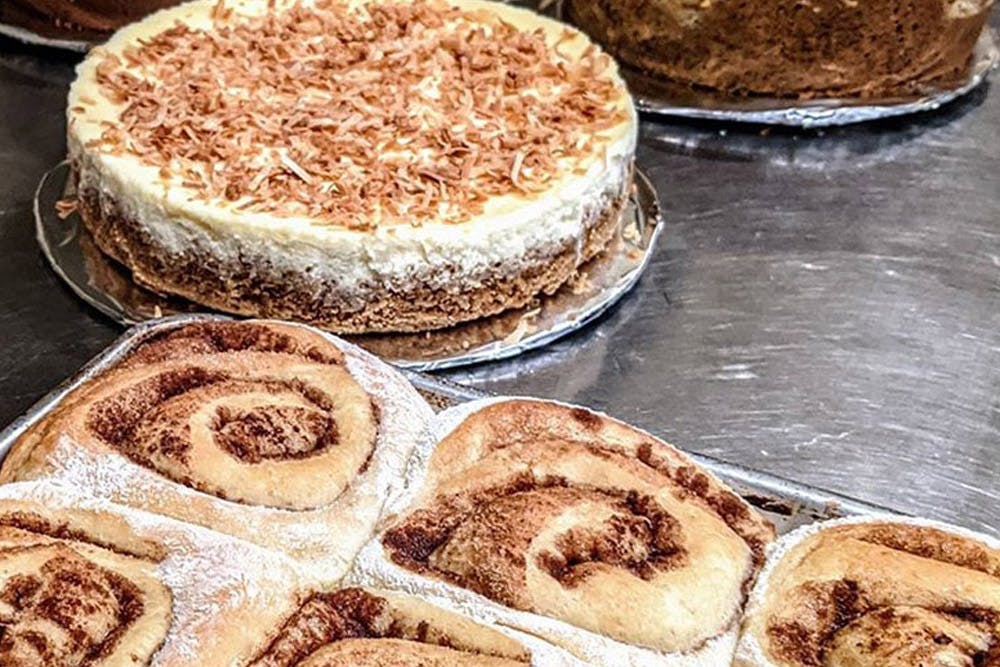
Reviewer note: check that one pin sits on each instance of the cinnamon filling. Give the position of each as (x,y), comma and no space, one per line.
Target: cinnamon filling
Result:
(327,618)
(149,421)
(726,504)
(270,432)
(635,535)
(65,611)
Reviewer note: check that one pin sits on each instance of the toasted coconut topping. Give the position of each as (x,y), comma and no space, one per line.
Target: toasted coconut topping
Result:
(380,114)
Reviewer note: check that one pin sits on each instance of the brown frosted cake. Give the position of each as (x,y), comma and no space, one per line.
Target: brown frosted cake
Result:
(88,20)
(385,166)
(792,48)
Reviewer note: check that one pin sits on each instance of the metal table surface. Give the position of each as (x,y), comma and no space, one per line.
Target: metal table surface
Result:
(825,306)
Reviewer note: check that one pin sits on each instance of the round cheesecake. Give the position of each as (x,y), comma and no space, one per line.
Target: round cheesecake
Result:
(792,48)
(88,20)
(385,166)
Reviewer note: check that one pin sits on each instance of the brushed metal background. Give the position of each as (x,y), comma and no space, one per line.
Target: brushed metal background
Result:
(825,306)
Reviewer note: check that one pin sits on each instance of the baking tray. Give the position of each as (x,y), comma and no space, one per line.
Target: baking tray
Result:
(786,503)
(600,284)
(656,96)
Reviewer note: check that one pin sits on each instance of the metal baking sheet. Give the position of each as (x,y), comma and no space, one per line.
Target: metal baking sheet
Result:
(786,503)
(656,96)
(601,282)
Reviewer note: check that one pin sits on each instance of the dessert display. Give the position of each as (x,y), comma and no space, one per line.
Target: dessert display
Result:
(355,626)
(576,528)
(876,591)
(265,431)
(777,48)
(86,583)
(84,20)
(407,164)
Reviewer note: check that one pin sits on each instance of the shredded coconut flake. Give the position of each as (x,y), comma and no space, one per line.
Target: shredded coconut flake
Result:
(399,113)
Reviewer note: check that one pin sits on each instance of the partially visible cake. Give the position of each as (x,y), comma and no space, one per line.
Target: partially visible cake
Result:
(399,165)
(792,48)
(87,20)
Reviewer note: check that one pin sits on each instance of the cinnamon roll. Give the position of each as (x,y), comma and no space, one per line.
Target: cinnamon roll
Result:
(354,627)
(269,432)
(580,529)
(88,583)
(76,590)
(880,592)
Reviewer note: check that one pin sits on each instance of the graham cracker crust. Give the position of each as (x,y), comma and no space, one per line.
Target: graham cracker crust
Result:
(247,289)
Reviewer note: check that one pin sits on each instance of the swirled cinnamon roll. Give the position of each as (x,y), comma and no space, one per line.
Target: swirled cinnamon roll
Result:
(269,432)
(585,531)
(88,583)
(354,627)
(77,589)
(876,593)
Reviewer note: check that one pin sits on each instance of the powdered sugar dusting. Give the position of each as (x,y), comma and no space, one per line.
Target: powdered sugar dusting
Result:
(212,577)
(373,566)
(324,540)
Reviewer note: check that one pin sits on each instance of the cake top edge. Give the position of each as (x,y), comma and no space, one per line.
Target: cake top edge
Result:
(355,114)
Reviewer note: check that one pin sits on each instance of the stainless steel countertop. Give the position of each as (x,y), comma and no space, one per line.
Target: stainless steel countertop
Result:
(825,306)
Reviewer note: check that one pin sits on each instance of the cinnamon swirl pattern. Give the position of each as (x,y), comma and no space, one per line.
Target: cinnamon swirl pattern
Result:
(583,530)
(357,627)
(269,432)
(876,593)
(72,596)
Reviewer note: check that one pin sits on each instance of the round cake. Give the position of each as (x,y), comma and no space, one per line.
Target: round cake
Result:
(792,48)
(86,20)
(399,165)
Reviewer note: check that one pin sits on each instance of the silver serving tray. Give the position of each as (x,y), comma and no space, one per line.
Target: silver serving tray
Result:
(603,281)
(655,96)
(786,503)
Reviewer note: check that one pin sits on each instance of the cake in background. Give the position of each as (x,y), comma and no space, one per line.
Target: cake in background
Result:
(789,48)
(86,20)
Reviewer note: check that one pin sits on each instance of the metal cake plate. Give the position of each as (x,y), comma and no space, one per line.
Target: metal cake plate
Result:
(108,287)
(656,96)
(786,503)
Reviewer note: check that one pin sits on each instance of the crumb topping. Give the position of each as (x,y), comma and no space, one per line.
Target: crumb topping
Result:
(382,113)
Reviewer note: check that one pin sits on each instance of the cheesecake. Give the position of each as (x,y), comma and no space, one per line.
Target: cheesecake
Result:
(792,48)
(397,165)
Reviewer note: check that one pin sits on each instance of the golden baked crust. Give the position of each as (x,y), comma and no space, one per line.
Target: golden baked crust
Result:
(259,290)
(557,511)
(786,48)
(876,593)
(359,627)
(257,429)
